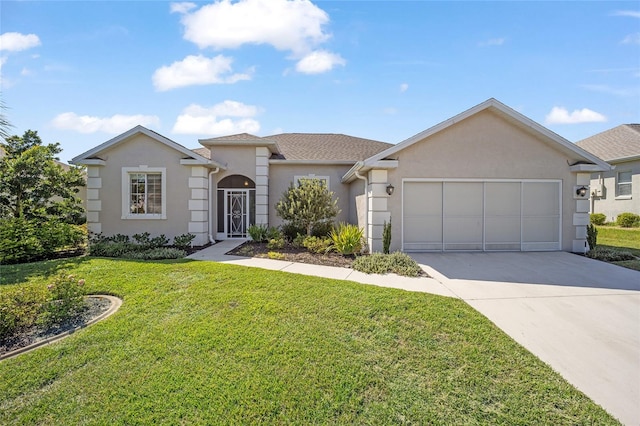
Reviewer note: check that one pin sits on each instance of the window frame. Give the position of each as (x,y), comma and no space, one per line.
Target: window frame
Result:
(326,179)
(620,183)
(126,192)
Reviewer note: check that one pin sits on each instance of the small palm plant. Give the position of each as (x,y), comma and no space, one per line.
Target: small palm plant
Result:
(347,239)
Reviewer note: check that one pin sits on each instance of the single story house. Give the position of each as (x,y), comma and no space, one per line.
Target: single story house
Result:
(488,179)
(616,191)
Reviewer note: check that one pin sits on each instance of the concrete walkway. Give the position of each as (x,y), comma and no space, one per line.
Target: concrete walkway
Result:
(580,316)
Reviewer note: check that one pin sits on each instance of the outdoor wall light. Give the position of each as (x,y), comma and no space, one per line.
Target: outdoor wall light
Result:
(390,189)
(582,191)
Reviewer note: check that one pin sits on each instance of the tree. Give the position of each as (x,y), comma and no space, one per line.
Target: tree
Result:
(5,125)
(307,204)
(33,185)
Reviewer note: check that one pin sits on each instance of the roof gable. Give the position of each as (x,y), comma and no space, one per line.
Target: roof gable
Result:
(619,143)
(88,156)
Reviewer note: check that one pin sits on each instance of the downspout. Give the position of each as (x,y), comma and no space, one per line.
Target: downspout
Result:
(211,173)
(366,204)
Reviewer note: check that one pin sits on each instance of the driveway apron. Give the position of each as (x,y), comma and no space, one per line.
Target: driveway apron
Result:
(580,316)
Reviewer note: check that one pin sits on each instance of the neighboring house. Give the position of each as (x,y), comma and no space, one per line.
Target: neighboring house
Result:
(616,191)
(486,179)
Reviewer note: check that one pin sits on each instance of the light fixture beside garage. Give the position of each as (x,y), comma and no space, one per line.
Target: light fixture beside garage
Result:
(582,191)
(390,189)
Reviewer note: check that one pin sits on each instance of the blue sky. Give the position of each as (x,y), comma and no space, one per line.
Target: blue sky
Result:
(82,72)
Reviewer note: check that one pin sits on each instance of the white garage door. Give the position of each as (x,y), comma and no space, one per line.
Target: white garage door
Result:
(480,215)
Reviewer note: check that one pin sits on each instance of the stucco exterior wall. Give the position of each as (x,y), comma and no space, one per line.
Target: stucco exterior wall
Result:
(483,146)
(142,150)
(282,175)
(239,160)
(609,203)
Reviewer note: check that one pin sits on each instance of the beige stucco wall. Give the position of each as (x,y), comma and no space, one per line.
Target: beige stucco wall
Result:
(282,175)
(240,160)
(483,146)
(137,151)
(609,204)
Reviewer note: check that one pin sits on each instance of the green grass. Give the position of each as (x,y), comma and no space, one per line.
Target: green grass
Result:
(627,239)
(207,343)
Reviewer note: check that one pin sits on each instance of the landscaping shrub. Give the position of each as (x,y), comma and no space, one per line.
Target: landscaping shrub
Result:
(145,241)
(598,218)
(275,243)
(183,241)
(317,244)
(291,231)
(347,239)
(380,263)
(258,233)
(592,236)
(275,255)
(298,241)
(628,220)
(24,240)
(610,255)
(322,229)
(158,253)
(20,308)
(66,299)
(307,204)
(386,237)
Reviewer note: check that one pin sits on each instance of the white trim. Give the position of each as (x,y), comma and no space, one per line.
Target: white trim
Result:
(125,188)
(524,246)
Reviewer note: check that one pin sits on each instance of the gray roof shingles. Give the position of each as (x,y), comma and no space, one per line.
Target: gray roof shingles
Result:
(614,144)
(313,146)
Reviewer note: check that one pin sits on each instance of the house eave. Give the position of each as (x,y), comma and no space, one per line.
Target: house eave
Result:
(365,166)
(212,164)
(268,143)
(589,168)
(89,162)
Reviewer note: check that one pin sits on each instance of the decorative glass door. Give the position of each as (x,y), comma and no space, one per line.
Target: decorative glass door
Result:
(237,212)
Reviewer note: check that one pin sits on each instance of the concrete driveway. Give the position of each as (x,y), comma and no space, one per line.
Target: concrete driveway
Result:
(580,316)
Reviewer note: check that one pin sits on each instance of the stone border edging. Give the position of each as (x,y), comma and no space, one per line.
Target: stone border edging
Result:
(116,302)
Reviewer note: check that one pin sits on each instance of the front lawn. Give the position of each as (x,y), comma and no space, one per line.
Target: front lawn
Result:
(207,343)
(627,239)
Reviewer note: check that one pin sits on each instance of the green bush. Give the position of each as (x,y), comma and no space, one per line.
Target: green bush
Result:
(610,255)
(592,236)
(183,241)
(24,240)
(386,237)
(258,233)
(291,231)
(598,218)
(275,243)
(157,253)
(20,308)
(380,263)
(317,244)
(628,220)
(66,299)
(298,241)
(347,239)
(145,241)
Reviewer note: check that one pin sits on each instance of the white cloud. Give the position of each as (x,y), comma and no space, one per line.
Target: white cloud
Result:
(197,70)
(15,42)
(493,42)
(113,125)
(318,62)
(26,72)
(286,25)
(403,87)
(631,39)
(182,7)
(225,118)
(560,115)
(629,13)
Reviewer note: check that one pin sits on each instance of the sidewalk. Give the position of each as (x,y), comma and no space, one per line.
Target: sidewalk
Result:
(217,253)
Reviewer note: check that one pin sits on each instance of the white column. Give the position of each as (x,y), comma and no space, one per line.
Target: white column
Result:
(378,212)
(199,205)
(94,204)
(581,214)
(262,185)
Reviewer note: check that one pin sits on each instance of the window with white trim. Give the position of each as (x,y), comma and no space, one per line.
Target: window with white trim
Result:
(324,179)
(144,193)
(623,184)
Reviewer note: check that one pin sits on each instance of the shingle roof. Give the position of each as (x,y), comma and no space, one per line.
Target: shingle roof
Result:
(614,144)
(203,152)
(325,147)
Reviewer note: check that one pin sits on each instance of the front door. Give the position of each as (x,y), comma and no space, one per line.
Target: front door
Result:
(237,212)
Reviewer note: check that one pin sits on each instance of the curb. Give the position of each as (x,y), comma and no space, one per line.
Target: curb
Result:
(116,302)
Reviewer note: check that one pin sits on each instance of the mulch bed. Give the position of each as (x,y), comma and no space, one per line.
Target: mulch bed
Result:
(95,307)
(291,253)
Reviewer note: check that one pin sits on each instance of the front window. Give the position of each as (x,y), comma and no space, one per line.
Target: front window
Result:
(144,193)
(624,184)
